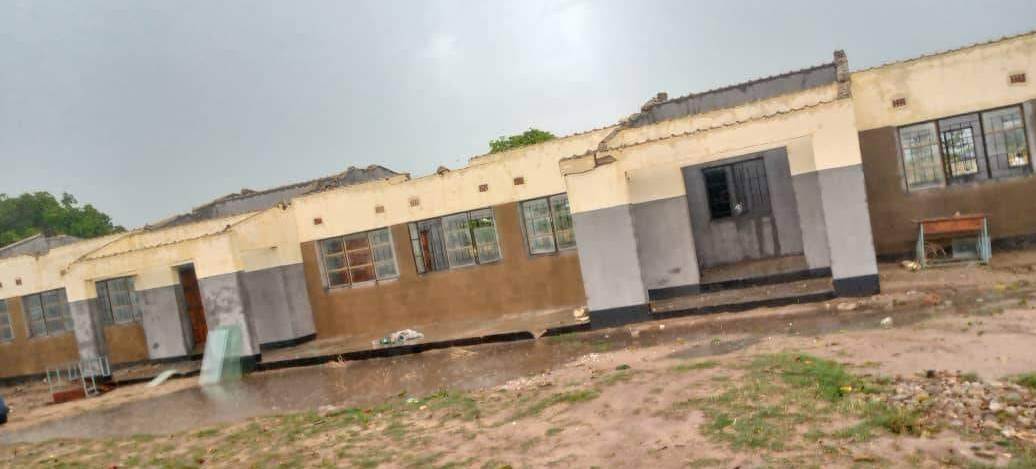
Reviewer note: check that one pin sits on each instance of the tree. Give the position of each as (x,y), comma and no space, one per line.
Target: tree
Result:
(40,212)
(529,137)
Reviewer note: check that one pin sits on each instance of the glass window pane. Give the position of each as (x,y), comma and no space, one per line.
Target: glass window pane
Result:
(335,279)
(459,248)
(103,304)
(384,258)
(432,246)
(1006,145)
(563,230)
(33,306)
(921,159)
(334,262)
(483,228)
(332,246)
(6,332)
(538,228)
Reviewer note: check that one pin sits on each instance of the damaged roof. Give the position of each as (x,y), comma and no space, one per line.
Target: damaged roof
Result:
(36,245)
(661,108)
(248,200)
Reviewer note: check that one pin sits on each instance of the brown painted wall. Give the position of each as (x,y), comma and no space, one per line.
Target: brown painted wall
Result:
(24,356)
(126,343)
(1008,202)
(517,283)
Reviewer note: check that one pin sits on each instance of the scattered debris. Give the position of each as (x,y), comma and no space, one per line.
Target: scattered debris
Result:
(912,266)
(963,401)
(887,322)
(399,337)
(848,306)
(339,362)
(580,314)
(161,378)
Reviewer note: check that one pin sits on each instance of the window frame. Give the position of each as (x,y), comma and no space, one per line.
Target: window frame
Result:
(755,198)
(983,157)
(110,319)
(5,315)
(552,218)
(1027,167)
(347,267)
(66,315)
(414,229)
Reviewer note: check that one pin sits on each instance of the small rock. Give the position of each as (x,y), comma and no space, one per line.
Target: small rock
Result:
(848,306)
(887,322)
(995,406)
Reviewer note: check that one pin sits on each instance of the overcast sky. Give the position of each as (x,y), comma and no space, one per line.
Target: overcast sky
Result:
(147,108)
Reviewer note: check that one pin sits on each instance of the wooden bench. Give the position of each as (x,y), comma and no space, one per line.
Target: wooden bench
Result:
(956,228)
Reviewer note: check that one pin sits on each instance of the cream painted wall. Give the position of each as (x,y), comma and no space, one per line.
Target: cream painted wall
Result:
(958,82)
(269,239)
(45,272)
(351,209)
(819,137)
(156,267)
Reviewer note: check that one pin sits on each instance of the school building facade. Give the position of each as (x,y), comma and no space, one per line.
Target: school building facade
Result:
(814,173)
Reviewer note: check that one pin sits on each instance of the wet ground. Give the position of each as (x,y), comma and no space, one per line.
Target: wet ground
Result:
(367,382)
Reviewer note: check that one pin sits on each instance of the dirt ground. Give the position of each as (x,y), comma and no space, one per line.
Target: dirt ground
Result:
(819,385)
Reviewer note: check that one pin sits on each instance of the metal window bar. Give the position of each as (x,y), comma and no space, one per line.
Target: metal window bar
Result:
(958,143)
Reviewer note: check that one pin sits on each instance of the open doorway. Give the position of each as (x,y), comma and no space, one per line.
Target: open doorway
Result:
(195,308)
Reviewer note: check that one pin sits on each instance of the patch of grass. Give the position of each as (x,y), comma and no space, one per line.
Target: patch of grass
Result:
(970,377)
(1028,380)
(615,377)
(554,431)
(782,394)
(458,405)
(828,379)
(700,365)
(567,397)
(206,433)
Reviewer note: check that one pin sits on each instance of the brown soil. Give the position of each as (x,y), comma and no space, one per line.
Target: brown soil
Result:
(646,396)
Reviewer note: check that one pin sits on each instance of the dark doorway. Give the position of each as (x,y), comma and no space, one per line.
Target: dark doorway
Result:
(195,308)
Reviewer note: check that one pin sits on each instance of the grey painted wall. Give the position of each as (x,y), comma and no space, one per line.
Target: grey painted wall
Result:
(735,239)
(811,219)
(88,331)
(279,303)
(162,319)
(665,245)
(848,222)
(226,304)
(608,258)
(738,94)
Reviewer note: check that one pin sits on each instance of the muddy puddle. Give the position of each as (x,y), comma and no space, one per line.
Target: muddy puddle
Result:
(363,383)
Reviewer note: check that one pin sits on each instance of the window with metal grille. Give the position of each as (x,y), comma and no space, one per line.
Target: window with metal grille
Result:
(737,189)
(1006,144)
(117,300)
(47,313)
(548,224)
(959,148)
(456,240)
(921,159)
(6,331)
(359,258)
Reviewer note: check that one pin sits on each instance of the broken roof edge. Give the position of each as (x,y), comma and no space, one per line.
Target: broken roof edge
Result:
(974,45)
(233,220)
(775,114)
(19,242)
(184,218)
(753,81)
(487,157)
